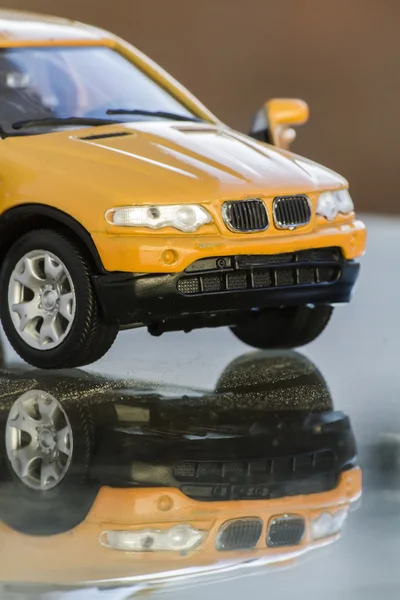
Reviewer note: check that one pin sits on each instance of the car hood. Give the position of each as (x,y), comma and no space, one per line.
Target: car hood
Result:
(164,162)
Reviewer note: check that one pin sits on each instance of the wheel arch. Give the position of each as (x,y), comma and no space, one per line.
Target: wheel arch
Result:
(24,218)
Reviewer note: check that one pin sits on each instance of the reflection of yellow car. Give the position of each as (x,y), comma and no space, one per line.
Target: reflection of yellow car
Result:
(144,485)
(125,202)
(157,533)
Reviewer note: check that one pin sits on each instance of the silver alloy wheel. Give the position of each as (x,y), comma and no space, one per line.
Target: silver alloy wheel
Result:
(39,440)
(41,300)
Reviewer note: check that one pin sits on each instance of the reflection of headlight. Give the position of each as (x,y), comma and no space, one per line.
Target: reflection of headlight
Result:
(185,217)
(326,524)
(17,81)
(179,538)
(330,204)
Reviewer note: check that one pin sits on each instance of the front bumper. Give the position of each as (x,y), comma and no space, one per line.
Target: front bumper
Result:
(139,253)
(215,290)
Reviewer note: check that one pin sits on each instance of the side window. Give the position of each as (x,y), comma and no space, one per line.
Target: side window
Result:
(21,89)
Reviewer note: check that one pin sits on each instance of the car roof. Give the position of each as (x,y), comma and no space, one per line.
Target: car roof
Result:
(18,28)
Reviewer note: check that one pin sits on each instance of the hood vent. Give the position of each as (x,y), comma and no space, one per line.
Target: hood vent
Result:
(102,136)
(195,129)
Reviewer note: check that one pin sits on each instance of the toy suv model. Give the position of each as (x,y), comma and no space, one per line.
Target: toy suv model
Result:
(124,202)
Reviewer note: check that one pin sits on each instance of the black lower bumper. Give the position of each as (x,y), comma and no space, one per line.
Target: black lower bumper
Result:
(226,285)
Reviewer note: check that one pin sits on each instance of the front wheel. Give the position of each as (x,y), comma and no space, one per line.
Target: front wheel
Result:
(48,305)
(283,328)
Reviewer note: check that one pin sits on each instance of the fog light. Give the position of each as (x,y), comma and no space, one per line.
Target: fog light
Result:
(327,524)
(165,503)
(169,257)
(179,538)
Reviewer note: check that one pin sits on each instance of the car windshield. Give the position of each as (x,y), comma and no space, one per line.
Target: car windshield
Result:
(86,82)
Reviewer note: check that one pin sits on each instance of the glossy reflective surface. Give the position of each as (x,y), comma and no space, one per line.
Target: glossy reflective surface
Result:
(191,465)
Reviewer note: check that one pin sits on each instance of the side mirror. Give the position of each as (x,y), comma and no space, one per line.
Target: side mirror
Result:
(275,121)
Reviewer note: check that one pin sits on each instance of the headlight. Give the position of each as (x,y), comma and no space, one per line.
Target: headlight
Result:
(330,204)
(185,217)
(327,524)
(179,538)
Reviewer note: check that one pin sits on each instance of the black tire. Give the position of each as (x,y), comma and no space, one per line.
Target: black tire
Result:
(283,328)
(60,509)
(89,338)
(105,338)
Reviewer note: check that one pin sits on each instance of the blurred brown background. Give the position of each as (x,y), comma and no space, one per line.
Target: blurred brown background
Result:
(343,57)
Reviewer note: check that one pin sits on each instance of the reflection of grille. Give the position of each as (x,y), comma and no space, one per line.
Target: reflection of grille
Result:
(291,211)
(223,274)
(285,531)
(211,481)
(242,534)
(254,471)
(245,215)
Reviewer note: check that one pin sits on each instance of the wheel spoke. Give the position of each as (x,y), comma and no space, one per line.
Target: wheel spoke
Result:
(63,440)
(49,471)
(29,278)
(66,306)
(23,421)
(23,459)
(27,312)
(47,409)
(48,330)
(52,270)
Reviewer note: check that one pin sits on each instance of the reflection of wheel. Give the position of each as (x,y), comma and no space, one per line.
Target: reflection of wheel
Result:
(48,306)
(48,448)
(281,378)
(39,440)
(288,327)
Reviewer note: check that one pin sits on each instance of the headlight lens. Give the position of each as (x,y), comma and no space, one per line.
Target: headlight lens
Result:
(344,202)
(330,204)
(326,524)
(179,538)
(185,217)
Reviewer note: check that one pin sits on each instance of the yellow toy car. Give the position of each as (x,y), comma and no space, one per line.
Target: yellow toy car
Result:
(125,202)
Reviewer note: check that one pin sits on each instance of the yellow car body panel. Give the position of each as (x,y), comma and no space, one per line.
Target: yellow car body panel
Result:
(169,163)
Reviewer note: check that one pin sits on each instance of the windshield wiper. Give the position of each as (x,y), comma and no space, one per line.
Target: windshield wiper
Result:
(54,121)
(152,113)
